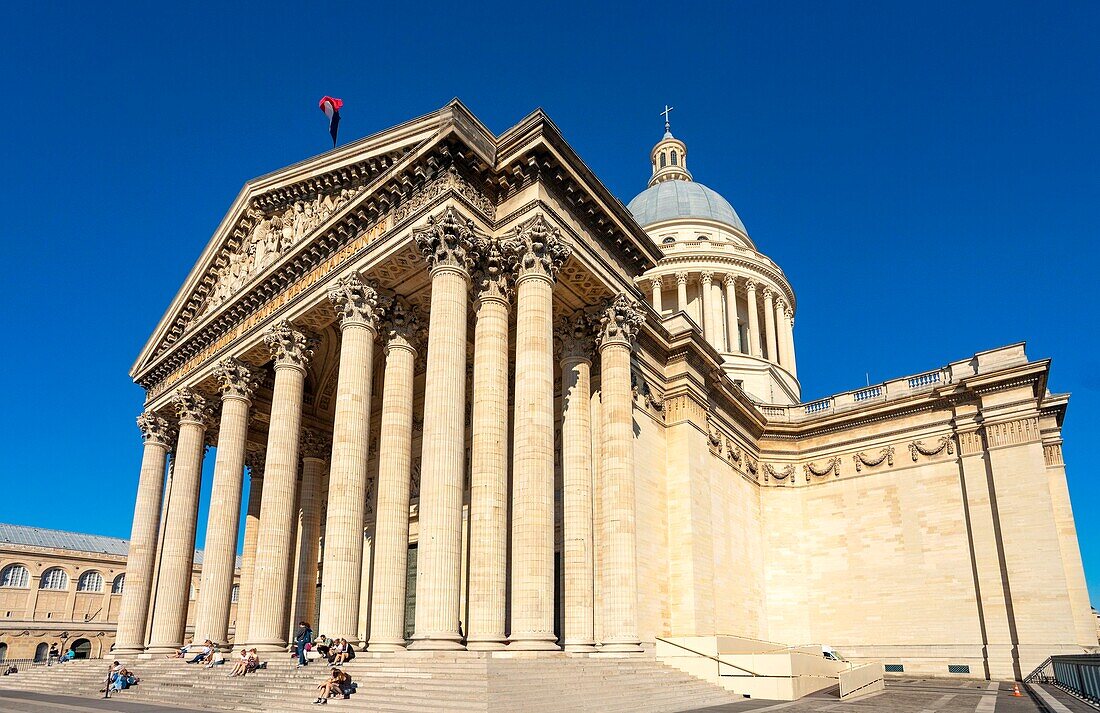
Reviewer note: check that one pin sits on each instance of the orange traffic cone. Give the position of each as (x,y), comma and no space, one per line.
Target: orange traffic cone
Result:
(1016,691)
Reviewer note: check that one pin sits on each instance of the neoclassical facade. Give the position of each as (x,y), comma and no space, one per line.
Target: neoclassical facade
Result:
(480,404)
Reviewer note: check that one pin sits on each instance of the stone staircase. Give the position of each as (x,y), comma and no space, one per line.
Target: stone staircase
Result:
(447,682)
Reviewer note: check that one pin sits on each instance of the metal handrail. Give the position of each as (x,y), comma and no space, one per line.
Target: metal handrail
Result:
(719,661)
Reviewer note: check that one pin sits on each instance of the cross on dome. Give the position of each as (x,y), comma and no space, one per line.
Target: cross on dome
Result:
(669,156)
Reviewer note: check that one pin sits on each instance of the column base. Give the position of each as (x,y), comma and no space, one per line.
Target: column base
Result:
(436,642)
(375,646)
(621,646)
(533,642)
(268,646)
(487,644)
(580,647)
(154,649)
(121,651)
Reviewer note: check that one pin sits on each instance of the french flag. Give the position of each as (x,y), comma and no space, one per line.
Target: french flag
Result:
(331,107)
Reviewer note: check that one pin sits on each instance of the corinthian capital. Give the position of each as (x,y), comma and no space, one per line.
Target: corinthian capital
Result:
(288,346)
(574,334)
(357,302)
(401,327)
(314,445)
(681,278)
(750,285)
(494,267)
(191,407)
(235,379)
(706,277)
(768,293)
(620,320)
(538,248)
(447,241)
(155,430)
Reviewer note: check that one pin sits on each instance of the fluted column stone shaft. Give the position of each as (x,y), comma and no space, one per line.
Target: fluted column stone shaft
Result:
(446,243)
(681,291)
(359,306)
(655,284)
(576,337)
(255,461)
(789,332)
(315,452)
(770,334)
(719,340)
(391,530)
(177,555)
(709,329)
(141,557)
(619,325)
(540,253)
(220,552)
(754,319)
(488,571)
(735,345)
(275,538)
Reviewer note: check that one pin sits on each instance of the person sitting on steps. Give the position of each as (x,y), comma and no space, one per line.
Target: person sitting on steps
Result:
(240,668)
(322,646)
(338,684)
(201,652)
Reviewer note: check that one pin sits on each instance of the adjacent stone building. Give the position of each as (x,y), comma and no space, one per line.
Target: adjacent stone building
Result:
(482,404)
(64,589)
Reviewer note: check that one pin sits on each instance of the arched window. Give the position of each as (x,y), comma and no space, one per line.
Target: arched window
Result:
(116,586)
(54,579)
(235,596)
(90,582)
(15,575)
(701,237)
(669,240)
(41,651)
(674,158)
(662,159)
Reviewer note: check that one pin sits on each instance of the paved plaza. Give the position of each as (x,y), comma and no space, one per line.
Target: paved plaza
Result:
(908,696)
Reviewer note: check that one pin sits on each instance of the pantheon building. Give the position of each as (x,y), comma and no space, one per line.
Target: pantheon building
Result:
(465,398)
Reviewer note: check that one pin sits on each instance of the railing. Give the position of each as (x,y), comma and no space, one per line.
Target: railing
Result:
(1078,675)
(815,406)
(717,660)
(868,393)
(931,377)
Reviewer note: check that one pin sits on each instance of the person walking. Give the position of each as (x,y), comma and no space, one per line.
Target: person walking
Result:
(303,637)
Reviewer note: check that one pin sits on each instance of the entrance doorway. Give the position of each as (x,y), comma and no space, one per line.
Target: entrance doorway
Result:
(3,652)
(41,652)
(410,594)
(82,648)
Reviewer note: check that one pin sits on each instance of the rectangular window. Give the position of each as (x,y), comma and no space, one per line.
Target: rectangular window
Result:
(958,668)
(895,668)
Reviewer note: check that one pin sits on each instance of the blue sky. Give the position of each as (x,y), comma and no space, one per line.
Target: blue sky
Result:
(926,175)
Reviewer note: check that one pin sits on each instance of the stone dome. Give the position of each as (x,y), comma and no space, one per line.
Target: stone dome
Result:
(682,199)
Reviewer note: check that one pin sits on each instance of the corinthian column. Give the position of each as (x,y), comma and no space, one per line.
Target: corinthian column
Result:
(789,333)
(488,571)
(681,291)
(769,325)
(446,244)
(709,328)
(401,333)
(731,314)
(180,518)
(754,318)
(275,538)
(540,253)
(575,334)
(254,459)
(656,284)
(220,553)
(619,324)
(781,333)
(315,451)
(134,611)
(358,305)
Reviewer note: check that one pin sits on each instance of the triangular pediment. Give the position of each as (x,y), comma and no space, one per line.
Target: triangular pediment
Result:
(276,213)
(294,222)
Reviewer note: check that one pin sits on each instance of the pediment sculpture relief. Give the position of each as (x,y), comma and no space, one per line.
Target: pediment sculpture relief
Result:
(270,235)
